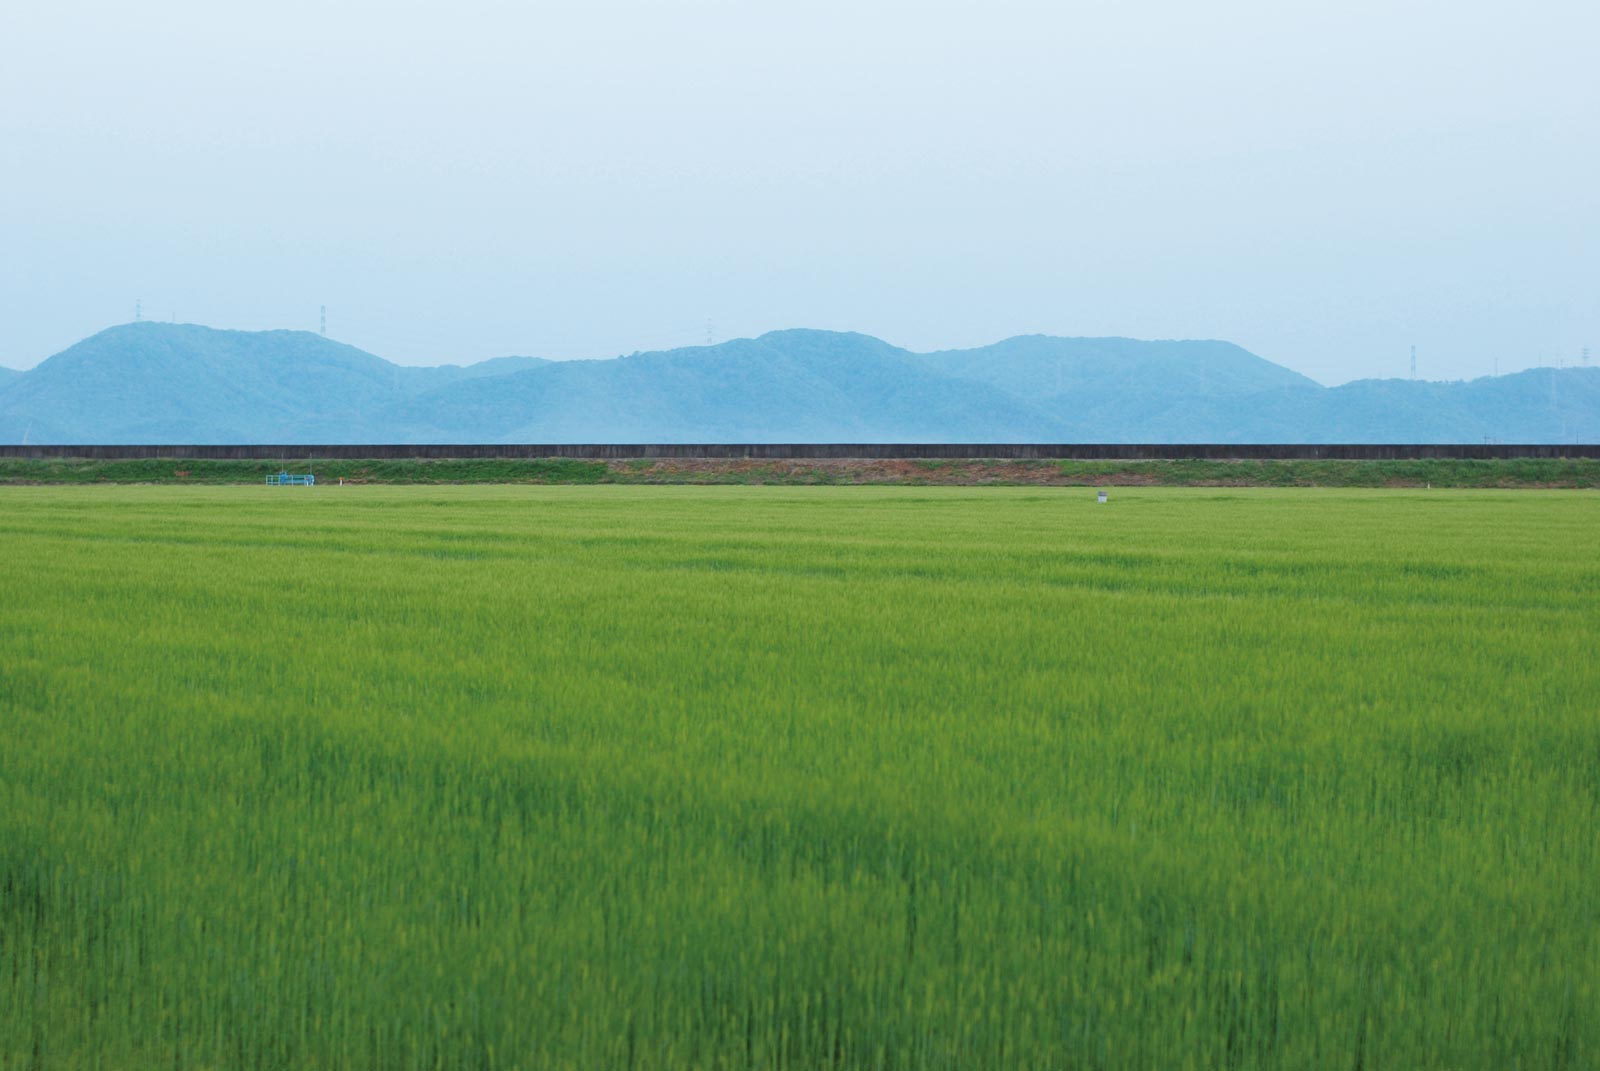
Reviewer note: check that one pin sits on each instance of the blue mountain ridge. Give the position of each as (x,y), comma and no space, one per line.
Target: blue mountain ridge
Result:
(184,383)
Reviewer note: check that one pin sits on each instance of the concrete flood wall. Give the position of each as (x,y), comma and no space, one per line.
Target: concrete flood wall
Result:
(820,451)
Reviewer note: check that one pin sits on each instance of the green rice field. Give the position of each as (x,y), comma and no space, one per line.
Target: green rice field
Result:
(593,777)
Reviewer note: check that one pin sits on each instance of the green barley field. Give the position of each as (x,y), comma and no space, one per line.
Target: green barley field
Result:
(754,777)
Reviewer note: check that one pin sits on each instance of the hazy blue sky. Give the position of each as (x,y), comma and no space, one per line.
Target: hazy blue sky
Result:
(1325,183)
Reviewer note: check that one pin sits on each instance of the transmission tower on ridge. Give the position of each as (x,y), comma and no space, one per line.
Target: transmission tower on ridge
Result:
(1413,362)
(322,320)
(138,312)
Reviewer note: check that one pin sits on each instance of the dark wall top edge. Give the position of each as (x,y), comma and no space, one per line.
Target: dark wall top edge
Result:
(822,451)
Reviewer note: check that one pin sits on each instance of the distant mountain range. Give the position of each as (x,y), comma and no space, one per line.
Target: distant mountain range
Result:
(182,383)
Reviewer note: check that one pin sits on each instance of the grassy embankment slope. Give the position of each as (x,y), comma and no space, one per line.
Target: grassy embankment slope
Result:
(1570,473)
(706,777)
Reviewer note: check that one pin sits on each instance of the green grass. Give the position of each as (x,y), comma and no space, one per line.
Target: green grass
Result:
(1526,472)
(608,777)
